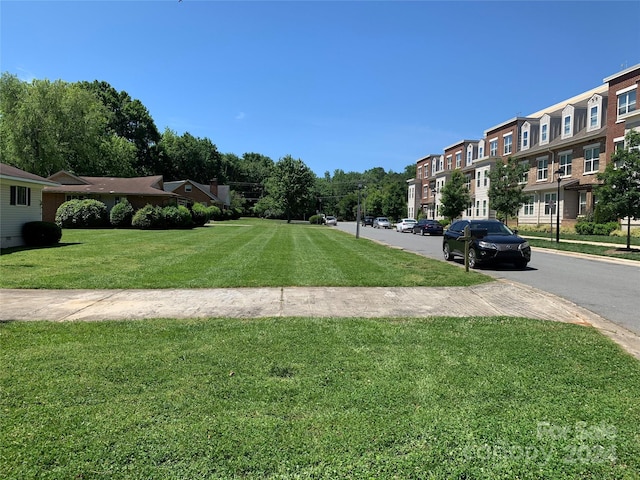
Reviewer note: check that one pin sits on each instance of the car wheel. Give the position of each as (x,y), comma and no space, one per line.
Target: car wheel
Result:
(446,251)
(473,260)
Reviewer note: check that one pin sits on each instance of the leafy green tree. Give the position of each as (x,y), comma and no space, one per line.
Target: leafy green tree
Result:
(506,194)
(50,126)
(620,190)
(394,200)
(188,157)
(290,186)
(130,120)
(455,197)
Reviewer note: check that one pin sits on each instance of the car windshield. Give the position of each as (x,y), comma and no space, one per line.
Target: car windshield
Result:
(492,228)
(382,219)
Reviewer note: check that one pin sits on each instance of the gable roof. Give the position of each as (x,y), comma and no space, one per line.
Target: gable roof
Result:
(147,186)
(13,173)
(223,190)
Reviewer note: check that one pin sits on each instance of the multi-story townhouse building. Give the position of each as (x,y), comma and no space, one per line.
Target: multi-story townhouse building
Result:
(564,145)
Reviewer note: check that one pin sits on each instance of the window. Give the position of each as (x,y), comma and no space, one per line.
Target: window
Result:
(593,117)
(591,158)
(618,144)
(449,160)
(419,172)
(582,203)
(469,155)
(525,139)
(543,168)
(467,182)
(458,159)
(549,203)
(564,162)
(567,121)
(529,204)
(626,101)
(484,208)
(187,187)
(481,149)
(544,129)
(434,165)
(594,108)
(508,142)
(441,163)
(493,147)
(525,175)
(425,191)
(486,177)
(477,208)
(20,196)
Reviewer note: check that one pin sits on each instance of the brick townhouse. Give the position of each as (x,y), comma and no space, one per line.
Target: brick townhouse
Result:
(565,145)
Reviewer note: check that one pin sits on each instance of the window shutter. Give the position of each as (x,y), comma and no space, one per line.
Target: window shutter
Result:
(28,197)
(14,195)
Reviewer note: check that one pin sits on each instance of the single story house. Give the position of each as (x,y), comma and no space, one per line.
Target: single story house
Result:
(212,194)
(20,202)
(139,191)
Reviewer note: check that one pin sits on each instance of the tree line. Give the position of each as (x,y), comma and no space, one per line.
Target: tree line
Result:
(92,129)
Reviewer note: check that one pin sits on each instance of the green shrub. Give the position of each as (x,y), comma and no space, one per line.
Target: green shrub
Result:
(200,214)
(82,214)
(176,217)
(215,213)
(147,217)
(121,214)
(41,234)
(316,219)
(592,228)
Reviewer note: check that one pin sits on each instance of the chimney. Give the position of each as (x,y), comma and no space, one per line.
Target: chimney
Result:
(213,186)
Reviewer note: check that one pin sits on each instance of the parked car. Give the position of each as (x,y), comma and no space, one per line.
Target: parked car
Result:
(425,226)
(367,220)
(381,222)
(405,225)
(492,242)
(330,220)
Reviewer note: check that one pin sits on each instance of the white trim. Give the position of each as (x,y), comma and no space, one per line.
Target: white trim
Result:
(628,89)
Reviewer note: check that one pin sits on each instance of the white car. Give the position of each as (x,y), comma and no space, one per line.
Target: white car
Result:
(405,225)
(381,222)
(330,220)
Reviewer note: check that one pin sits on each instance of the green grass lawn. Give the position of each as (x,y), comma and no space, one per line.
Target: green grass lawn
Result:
(541,240)
(316,398)
(244,253)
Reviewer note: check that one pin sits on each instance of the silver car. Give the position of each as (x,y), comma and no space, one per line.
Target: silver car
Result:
(381,222)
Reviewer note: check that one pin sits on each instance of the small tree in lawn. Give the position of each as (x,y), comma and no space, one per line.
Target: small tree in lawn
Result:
(620,190)
(455,196)
(505,188)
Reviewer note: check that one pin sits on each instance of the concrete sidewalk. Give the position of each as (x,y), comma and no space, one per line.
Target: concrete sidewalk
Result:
(498,298)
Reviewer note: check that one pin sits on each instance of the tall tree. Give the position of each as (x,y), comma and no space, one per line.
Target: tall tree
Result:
(455,197)
(188,157)
(506,194)
(131,120)
(620,190)
(290,186)
(49,126)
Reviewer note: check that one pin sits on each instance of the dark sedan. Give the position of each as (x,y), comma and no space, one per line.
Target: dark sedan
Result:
(491,242)
(428,227)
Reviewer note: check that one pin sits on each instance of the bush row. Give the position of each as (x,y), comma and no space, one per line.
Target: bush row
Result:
(592,228)
(94,214)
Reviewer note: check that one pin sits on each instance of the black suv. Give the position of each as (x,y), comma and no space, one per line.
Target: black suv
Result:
(367,220)
(492,242)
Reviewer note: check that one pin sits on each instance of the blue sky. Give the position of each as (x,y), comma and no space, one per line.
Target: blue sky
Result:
(348,85)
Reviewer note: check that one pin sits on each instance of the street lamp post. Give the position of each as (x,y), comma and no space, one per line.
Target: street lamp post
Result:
(358,213)
(558,172)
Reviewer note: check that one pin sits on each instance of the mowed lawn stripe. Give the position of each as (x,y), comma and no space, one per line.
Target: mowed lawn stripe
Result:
(245,253)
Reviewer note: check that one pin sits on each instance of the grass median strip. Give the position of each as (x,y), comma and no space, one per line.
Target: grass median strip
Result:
(246,253)
(316,398)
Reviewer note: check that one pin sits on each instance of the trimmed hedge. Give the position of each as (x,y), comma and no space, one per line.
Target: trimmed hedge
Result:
(147,217)
(200,213)
(82,214)
(316,219)
(121,214)
(592,228)
(41,234)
